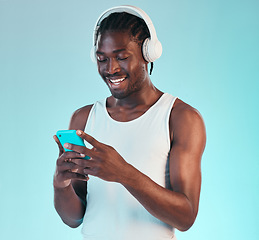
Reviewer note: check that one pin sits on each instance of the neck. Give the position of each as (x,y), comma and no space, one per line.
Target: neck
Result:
(146,96)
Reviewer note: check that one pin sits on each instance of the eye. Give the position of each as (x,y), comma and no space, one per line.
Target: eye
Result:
(101,59)
(122,57)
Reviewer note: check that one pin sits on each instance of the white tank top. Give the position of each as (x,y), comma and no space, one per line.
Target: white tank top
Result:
(112,213)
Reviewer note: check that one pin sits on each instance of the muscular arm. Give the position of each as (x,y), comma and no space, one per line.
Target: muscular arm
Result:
(70,200)
(177,207)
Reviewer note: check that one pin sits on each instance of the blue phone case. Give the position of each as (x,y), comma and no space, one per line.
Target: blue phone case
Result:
(70,136)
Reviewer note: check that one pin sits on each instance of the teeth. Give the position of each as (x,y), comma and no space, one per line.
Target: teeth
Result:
(116,80)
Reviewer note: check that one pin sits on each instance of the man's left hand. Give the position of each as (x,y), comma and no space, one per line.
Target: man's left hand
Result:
(105,162)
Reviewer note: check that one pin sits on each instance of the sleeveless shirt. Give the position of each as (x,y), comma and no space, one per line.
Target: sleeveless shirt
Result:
(112,213)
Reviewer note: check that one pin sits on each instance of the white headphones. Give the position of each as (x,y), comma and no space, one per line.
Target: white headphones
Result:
(151,49)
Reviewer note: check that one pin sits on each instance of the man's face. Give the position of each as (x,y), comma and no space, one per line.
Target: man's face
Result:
(120,63)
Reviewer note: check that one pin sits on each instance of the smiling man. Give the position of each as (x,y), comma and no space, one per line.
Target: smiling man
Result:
(143,177)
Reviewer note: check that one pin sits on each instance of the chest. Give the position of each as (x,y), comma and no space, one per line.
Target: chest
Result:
(125,114)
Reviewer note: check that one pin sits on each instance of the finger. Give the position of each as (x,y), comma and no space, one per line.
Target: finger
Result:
(80,149)
(70,167)
(89,171)
(69,155)
(89,139)
(61,149)
(66,166)
(75,176)
(84,163)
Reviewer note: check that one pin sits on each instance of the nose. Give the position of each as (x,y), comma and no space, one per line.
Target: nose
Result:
(112,66)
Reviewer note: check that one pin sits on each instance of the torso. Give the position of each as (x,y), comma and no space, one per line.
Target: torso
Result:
(105,198)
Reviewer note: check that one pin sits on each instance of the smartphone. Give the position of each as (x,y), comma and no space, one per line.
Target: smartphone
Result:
(70,136)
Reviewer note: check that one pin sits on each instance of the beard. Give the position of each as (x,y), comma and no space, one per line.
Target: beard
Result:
(128,91)
(134,83)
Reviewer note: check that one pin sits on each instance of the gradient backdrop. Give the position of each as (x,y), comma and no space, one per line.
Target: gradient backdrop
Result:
(210,60)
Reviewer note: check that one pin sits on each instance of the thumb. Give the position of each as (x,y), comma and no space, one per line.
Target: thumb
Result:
(61,149)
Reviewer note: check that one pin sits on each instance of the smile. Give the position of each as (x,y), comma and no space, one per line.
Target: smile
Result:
(116,81)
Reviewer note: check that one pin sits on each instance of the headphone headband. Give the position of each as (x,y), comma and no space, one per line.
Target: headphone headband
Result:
(152,48)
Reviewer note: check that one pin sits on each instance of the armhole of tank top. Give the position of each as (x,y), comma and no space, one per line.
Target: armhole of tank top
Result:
(171,105)
(89,115)
(102,102)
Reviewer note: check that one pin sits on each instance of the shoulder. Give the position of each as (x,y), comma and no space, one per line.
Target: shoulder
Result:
(182,111)
(186,122)
(79,117)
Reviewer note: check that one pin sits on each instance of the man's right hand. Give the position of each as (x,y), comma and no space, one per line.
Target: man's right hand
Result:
(66,170)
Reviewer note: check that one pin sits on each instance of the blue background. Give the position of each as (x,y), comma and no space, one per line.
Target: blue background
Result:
(210,60)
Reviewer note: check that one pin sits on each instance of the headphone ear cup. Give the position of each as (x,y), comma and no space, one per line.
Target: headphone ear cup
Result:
(92,54)
(145,49)
(151,49)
